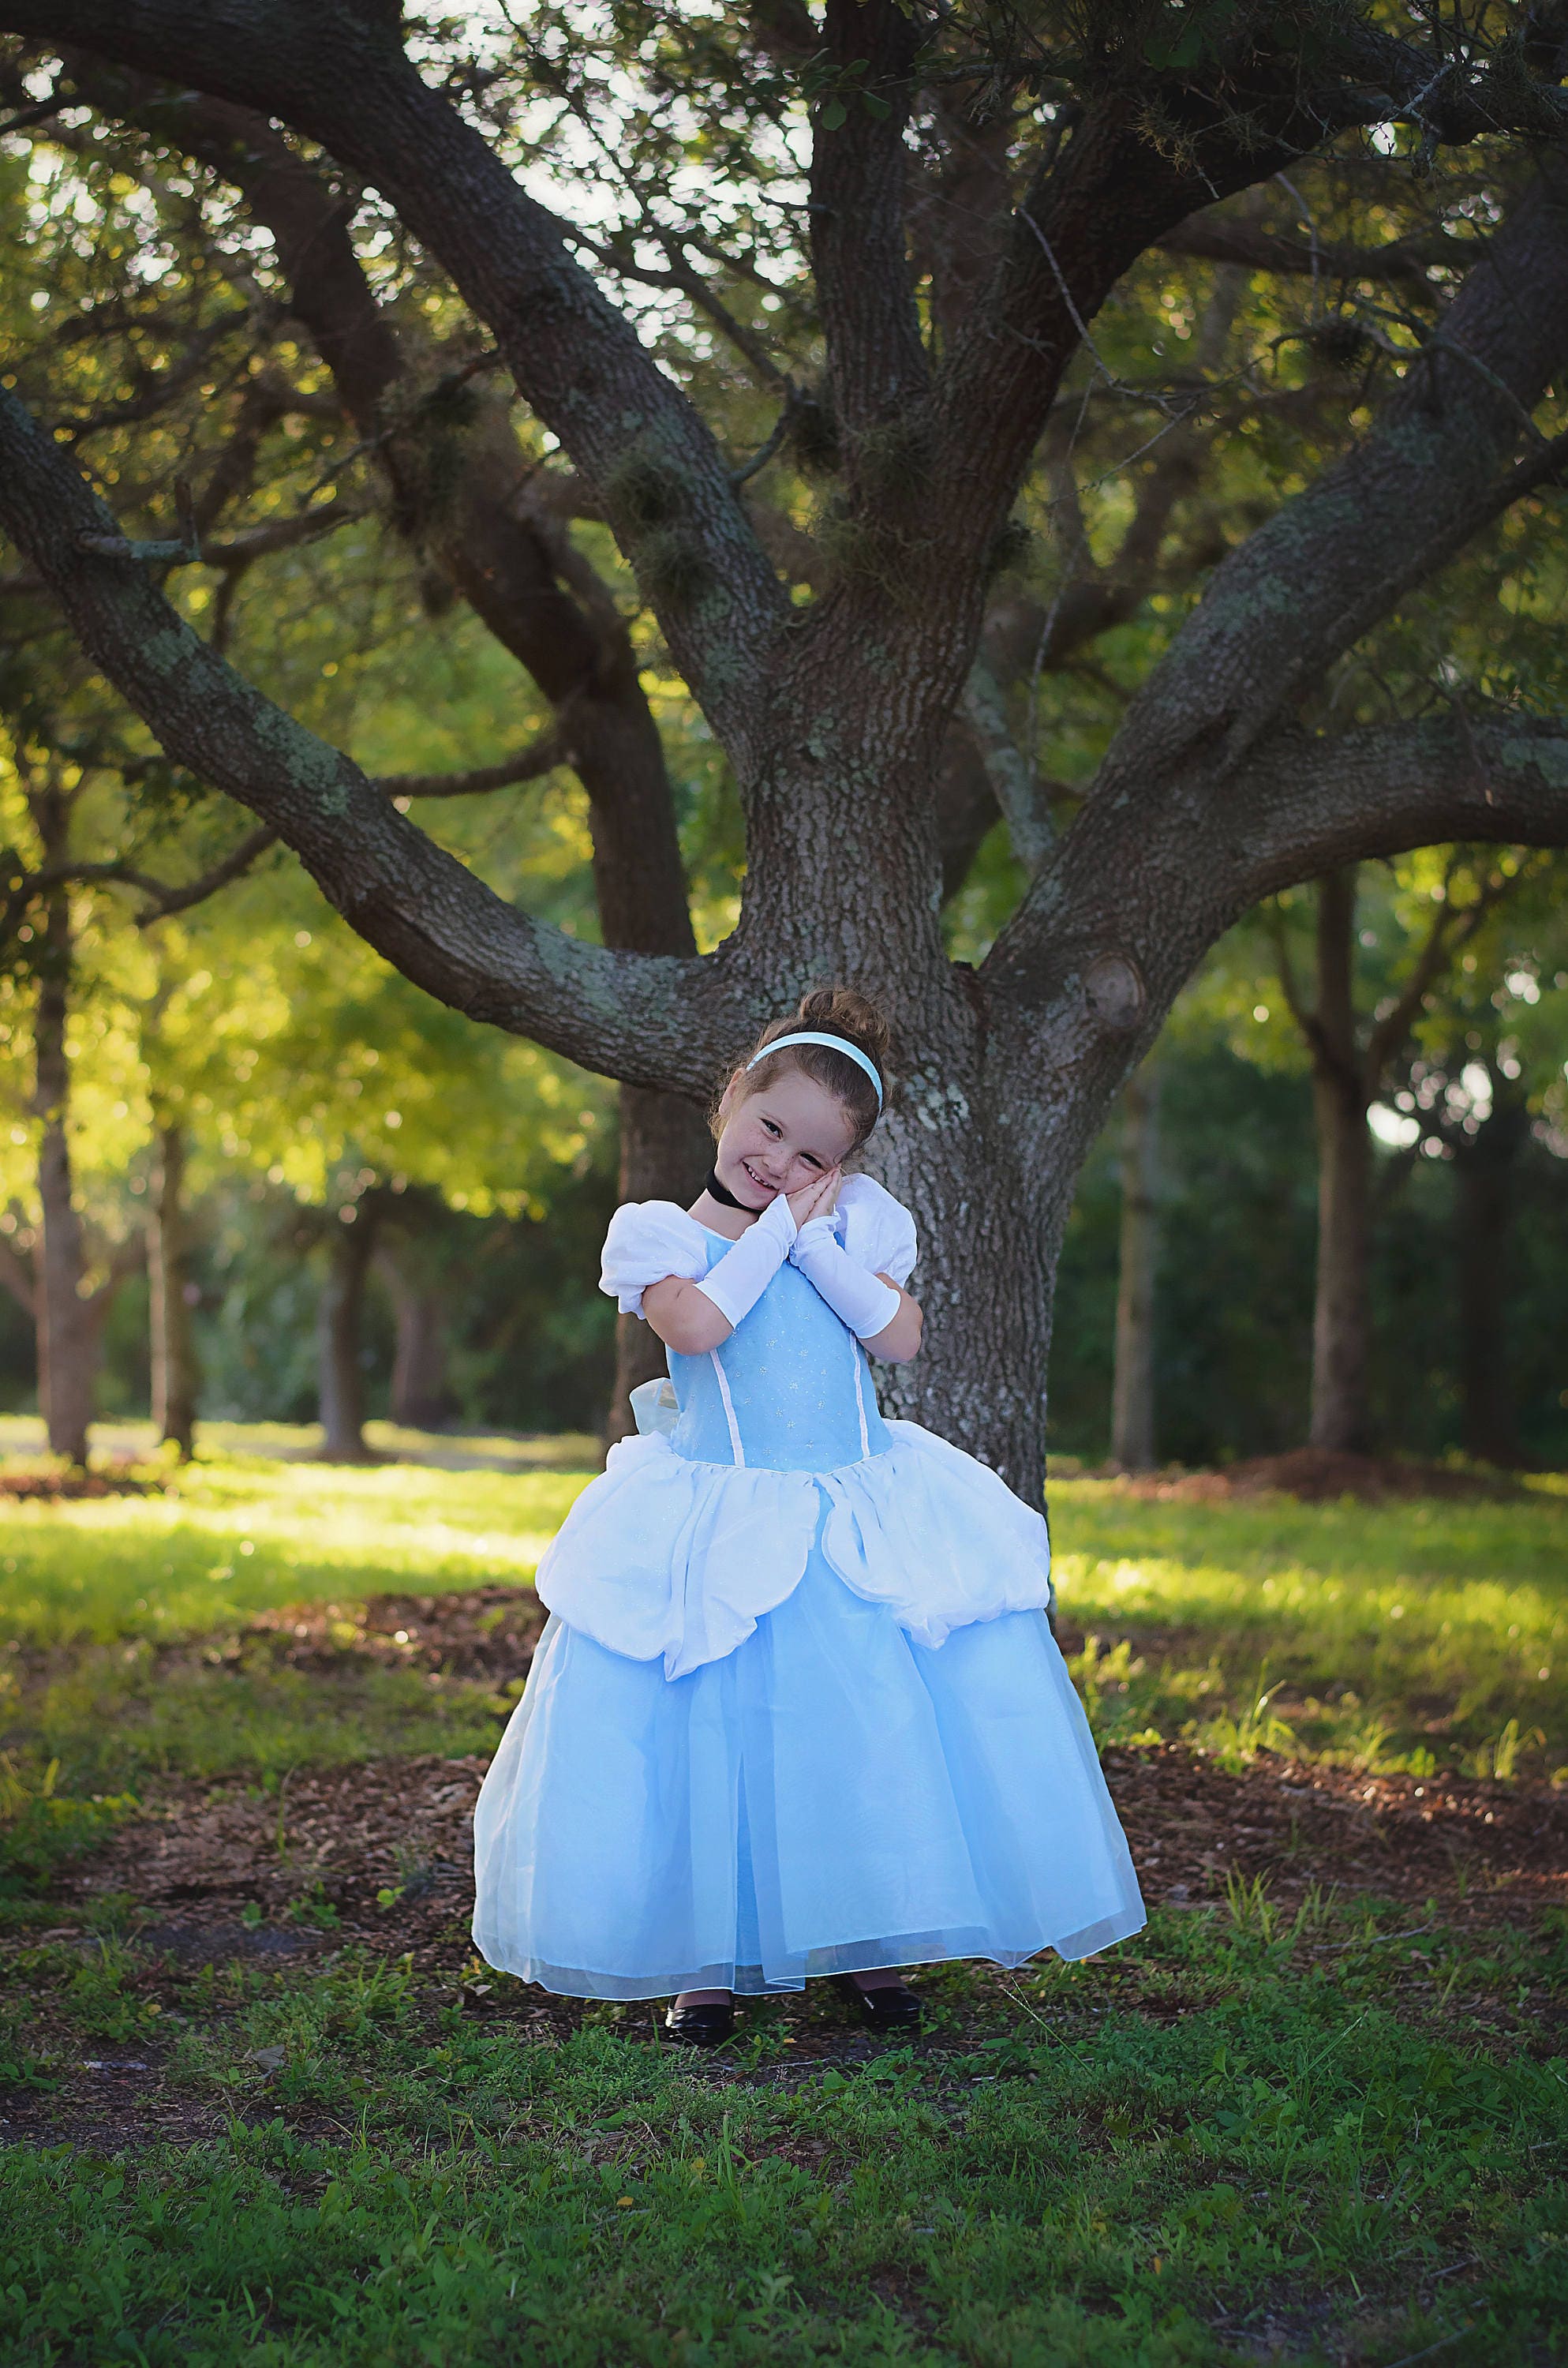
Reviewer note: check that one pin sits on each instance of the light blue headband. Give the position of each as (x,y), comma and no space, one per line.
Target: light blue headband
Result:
(833,1043)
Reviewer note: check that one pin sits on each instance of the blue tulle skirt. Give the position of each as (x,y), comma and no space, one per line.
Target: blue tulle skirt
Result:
(828,1797)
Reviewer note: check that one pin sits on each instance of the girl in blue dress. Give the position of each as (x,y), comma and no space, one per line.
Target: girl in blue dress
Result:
(797,1709)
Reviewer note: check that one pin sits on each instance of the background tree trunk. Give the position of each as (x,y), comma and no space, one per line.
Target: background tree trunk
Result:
(666,1149)
(420,1399)
(339,1326)
(175,1375)
(1340,1318)
(1133,1393)
(69,1321)
(1484,1173)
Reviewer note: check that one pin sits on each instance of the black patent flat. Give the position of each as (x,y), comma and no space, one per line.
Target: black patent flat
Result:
(700,2026)
(895,2008)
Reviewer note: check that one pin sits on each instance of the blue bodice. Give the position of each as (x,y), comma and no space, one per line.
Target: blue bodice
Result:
(790,1389)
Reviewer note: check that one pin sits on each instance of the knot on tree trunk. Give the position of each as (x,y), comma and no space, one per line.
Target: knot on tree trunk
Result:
(1114,987)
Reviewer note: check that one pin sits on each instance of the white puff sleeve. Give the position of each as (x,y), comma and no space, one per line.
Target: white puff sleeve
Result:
(647,1242)
(878,1231)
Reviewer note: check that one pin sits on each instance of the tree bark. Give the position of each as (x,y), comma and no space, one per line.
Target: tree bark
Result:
(1484,1176)
(339,1315)
(1133,1393)
(1340,1314)
(175,1373)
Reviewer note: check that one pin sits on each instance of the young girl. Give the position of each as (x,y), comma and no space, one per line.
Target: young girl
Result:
(798,1709)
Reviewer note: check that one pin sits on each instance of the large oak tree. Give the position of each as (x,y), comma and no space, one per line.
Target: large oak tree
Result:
(978,185)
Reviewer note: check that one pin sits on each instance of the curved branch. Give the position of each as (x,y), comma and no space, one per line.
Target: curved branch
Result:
(518,571)
(1214,238)
(1155,890)
(653,1021)
(540,756)
(1302,589)
(342,76)
(167,898)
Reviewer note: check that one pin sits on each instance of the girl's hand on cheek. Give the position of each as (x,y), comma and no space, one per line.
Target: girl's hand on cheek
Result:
(816,1199)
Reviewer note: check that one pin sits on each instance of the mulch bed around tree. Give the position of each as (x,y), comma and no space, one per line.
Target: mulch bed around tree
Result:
(382,1853)
(483,1632)
(228,1876)
(1320,1474)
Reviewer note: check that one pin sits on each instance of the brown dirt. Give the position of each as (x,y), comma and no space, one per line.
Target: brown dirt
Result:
(227,1874)
(55,1484)
(335,1839)
(1321,1475)
(483,1632)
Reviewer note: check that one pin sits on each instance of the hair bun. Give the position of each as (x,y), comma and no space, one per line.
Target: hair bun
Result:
(843,1012)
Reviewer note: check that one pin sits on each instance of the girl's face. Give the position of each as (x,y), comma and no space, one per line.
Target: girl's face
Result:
(780,1138)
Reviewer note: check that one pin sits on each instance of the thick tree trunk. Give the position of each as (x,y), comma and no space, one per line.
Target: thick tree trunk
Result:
(69,1321)
(175,1374)
(1132,1392)
(1340,1097)
(665,1152)
(1484,1209)
(338,1323)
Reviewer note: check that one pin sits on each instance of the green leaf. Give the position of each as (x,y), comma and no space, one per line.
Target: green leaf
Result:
(833,115)
(875,105)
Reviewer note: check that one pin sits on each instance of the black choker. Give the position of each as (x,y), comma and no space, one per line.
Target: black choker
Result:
(722,1193)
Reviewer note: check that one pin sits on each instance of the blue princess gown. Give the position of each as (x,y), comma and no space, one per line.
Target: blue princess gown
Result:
(797,1709)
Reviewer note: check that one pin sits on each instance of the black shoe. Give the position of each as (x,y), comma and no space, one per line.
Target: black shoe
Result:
(894,2008)
(700,2026)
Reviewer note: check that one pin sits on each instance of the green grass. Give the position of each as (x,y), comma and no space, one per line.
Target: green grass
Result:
(236,1535)
(100,1595)
(1231,2141)
(1401,1636)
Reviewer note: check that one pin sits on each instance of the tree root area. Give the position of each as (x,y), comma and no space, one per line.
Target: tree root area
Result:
(381,1852)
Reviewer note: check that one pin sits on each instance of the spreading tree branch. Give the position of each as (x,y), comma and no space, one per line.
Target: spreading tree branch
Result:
(342,76)
(1449,929)
(1434,471)
(540,756)
(518,570)
(1309,583)
(1116,189)
(653,1021)
(1215,238)
(1296,807)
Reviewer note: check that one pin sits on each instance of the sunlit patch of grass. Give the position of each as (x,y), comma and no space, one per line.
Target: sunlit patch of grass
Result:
(1401,1636)
(241,1535)
(1406,1635)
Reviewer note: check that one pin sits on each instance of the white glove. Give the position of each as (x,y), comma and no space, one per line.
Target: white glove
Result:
(863,1300)
(744,1273)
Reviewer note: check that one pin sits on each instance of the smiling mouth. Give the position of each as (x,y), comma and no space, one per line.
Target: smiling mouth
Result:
(753,1178)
